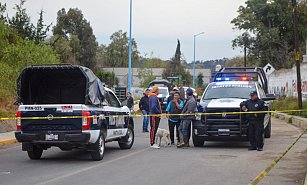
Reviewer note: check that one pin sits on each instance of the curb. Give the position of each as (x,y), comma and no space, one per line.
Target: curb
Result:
(305,180)
(291,119)
(7,141)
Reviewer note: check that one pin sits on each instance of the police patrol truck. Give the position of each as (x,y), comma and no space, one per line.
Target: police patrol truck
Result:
(221,101)
(67,106)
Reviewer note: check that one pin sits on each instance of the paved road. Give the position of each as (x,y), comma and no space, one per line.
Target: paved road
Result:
(215,163)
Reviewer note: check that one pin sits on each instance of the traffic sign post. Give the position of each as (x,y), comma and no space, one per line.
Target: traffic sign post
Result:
(268,69)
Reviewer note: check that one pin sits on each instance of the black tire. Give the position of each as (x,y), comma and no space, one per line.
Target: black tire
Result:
(99,148)
(127,141)
(268,130)
(197,141)
(36,153)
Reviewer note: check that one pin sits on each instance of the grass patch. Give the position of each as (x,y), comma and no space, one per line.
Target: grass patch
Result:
(289,104)
(290,120)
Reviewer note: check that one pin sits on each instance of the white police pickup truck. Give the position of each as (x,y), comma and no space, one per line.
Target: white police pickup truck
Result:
(66,106)
(223,99)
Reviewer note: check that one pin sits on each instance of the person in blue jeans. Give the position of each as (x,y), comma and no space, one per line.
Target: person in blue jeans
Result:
(144,107)
(174,107)
(187,117)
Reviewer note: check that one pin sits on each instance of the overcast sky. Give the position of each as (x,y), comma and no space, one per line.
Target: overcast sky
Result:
(157,24)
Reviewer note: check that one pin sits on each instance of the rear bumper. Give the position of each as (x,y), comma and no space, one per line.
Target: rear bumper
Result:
(62,137)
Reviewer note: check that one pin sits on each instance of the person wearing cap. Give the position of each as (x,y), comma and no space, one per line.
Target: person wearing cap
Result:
(144,107)
(155,112)
(189,108)
(255,120)
(174,107)
(170,98)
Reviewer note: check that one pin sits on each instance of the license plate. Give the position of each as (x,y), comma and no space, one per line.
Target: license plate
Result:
(52,137)
(224,132)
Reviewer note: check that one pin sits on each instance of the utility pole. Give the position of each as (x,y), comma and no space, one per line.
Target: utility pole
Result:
(297,56)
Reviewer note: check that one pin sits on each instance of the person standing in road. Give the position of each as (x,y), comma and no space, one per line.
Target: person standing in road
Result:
(155,115)
(174,107)
(130,101)
(256,120)
(144,107)
(170,98)
(189,108)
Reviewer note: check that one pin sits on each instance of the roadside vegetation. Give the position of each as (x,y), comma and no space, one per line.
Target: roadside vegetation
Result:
(21,45)
(289,104)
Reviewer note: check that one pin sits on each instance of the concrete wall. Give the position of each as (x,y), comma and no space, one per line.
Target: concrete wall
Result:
(283,82)
(122,74)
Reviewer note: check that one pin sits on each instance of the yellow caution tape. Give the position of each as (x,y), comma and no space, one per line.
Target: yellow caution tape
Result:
(275,161)
(141,115)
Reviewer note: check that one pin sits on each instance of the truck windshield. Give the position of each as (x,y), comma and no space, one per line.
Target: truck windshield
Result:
(215,91)
(163,91)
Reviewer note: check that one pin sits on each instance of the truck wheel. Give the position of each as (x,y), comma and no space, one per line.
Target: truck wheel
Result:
(268,129)
(127,141)
(36,153)
(99,148)
(197,142)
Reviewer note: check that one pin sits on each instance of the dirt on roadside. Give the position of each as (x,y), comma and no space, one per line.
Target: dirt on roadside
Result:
(7,126)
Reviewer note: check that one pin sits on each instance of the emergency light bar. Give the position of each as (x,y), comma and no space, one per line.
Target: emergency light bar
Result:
(238,76)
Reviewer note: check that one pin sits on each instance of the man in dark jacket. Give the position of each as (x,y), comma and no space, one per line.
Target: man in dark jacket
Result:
(189,108)
(256,125)
(144,107)
(155,111)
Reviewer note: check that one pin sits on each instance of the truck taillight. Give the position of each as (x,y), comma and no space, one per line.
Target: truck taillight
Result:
(18,121)
(86,120)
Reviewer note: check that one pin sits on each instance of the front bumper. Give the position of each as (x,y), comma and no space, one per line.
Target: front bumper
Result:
(62,137)
(220,130)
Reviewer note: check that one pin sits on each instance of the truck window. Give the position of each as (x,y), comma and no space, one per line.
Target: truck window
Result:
(216,91)
(112,99)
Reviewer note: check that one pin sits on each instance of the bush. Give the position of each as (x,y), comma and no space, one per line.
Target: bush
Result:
(289,103)
(16,54)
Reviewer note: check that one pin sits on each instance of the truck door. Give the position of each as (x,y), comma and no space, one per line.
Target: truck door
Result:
(115,116)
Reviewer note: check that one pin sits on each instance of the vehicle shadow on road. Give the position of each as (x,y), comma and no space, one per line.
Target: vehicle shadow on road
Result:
(75,155)
(224,144)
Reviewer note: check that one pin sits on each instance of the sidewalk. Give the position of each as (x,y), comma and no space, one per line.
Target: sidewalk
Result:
(7,138)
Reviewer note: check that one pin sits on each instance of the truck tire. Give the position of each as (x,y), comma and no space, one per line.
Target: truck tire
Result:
(127,141)
(36,153)
(99,148)
(197,141)
(268,129)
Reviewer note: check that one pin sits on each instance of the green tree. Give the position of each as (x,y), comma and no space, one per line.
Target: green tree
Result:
(21,22)
(117,51)
(176,69)
(75,29)
(271,26)
(15,54)
(145,75)
(107,77)
(238,61)
(41,29)
(200,81)
(153,63)
(2,11)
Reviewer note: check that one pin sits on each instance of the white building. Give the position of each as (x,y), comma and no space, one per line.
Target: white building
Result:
(122,74)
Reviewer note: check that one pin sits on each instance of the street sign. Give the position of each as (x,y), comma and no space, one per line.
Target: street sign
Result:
(268,69)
